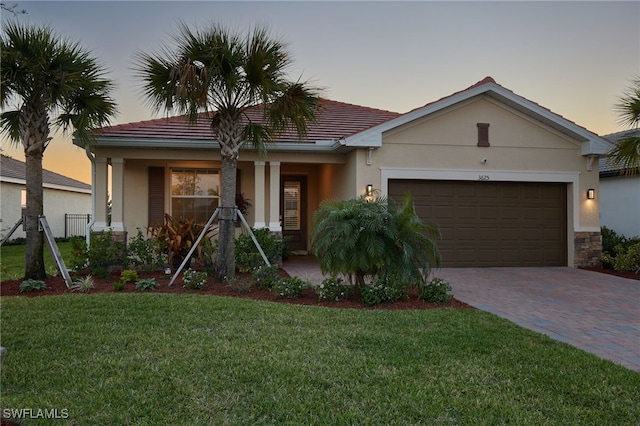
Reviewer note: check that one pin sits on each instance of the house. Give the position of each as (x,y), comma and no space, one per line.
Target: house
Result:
(504,179)
(67,202)
(619,193)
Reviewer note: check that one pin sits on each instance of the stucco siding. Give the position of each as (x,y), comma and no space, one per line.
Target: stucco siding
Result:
(56,203)
(620,204)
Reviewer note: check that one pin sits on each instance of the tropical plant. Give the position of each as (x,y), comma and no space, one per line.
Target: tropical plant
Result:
(215,75)
(266,276)
(359,238)
(129,276)
(176,237)
(50,81)
(82,284)
(626,153)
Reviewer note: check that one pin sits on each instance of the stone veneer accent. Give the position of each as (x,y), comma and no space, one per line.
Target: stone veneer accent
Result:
(588,249)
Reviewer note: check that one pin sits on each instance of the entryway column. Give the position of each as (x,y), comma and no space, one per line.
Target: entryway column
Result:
(101,194)
(274,196)
(259,205)
(117,200)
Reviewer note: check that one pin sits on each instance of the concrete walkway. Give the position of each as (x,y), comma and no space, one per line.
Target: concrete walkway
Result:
(595,312)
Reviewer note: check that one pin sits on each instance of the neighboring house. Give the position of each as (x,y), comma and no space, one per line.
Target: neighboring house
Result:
(504,178)
(619,193)
(62,196)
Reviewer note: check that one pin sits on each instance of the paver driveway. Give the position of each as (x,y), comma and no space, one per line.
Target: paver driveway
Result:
(595,312)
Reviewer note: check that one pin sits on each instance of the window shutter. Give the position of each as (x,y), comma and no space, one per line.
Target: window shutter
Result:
(483,134)
(156,196)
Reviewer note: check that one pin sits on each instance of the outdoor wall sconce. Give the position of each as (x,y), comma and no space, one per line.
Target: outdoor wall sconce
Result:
(369,192)
(591,194)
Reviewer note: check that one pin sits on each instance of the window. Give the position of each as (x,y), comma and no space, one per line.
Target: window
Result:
(195,193)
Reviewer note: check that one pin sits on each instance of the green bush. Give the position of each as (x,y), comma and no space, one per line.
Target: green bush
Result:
(145,253)
(289,288)
(129,276)
(332,290)
(437,291)
(619,252)
(266,276)
(118,285)
(194,280)
(146,284)
(79,253)
(247,255)
(628,260)
(363,238)
(241,284)
(383,290)
(32,285)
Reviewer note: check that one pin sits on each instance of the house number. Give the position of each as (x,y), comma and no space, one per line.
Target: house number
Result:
(483,177)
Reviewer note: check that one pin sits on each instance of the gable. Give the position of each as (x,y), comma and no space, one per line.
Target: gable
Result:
(457,125)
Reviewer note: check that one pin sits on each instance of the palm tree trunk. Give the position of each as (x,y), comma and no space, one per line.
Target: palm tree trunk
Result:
(34,132)
(226,262)
(34,252)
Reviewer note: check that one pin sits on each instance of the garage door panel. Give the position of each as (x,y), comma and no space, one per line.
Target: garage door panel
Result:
(493,223)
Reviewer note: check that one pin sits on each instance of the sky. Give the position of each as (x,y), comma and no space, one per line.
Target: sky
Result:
(574,58)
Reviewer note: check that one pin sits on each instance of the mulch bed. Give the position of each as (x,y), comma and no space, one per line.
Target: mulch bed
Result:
(57,286)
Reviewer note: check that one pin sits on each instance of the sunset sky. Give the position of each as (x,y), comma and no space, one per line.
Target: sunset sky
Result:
(575,58)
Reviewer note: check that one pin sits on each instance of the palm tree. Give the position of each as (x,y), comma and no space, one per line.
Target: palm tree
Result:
(51,82)
(626,153)
(362,238)
(221,74)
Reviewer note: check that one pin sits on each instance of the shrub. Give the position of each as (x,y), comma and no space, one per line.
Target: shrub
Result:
(105,251)
(266,276)
(146,284)
(194,280)
(145,253)
(79,253)
(83,284)
(118,285)
(383,290)
(628,260)
(332,290)
(129,276)
(363,238)
(437,291)
(247,255)
(32,285)
(615,250)
(289,288)
(100,272)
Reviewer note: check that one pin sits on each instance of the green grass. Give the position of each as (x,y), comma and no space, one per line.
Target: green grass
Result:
(150,359)
(12,260)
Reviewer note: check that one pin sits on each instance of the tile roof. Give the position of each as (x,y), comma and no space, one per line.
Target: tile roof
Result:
(335,120)
(607,169)
(15,169)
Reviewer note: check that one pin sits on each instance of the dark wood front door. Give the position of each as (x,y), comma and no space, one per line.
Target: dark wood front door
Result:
(293,210)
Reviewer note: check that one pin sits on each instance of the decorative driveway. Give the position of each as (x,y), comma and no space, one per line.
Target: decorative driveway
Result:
(596,312)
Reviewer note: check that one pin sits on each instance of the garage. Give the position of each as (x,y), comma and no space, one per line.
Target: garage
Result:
(487,223)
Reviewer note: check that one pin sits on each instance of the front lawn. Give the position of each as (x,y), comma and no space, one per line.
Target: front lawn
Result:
(12,260)
(151,359)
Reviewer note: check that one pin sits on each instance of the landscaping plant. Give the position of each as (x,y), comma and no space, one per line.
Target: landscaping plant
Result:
(362,238)
(437,291)
(194,280)
(146,284)
(289,288)
(32,285)
(82,284)
(332,290)
(247,255)
(266,276)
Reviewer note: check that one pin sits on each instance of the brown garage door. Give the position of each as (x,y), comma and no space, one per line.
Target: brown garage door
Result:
(493,223)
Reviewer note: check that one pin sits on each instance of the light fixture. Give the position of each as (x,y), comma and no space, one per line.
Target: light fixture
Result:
(591,193)
(369,190)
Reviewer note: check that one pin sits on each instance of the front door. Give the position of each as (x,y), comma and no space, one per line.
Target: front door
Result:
(293,210)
